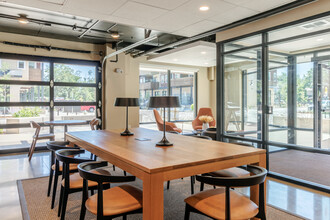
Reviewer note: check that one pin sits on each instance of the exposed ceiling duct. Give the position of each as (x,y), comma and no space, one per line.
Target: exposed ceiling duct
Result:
(262,15)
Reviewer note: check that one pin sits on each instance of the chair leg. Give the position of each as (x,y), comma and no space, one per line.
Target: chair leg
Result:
(125,173)
(192,184)
(54,189)
(65,201)
(33,145)
(187,212)
(113,167)
(168,185)
(124,217)
(51,173)
(202,187)
(60,202)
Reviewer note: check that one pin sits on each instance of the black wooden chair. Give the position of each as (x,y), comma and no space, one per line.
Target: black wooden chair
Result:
(110,203)
(225,203)
(230,172)
(72,183)
(56,168)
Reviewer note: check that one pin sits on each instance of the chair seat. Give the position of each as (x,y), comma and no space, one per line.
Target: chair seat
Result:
(76,182)
(230,172)
(117,200)
(212,203)
(71,167)
(44,136)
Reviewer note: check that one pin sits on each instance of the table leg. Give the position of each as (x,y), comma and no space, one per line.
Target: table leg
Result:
(254,190)
(153,197)
(65,130)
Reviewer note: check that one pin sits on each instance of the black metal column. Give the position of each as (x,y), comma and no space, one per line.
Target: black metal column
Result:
(51,94)
(244,98)
(265,96)
(220,83)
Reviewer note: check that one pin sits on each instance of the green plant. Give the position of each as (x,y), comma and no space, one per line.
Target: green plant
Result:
(27,112)
(192,107)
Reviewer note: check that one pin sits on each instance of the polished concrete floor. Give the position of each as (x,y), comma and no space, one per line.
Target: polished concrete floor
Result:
(303,202)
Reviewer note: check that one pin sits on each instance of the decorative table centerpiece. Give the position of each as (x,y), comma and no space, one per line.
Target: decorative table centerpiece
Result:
(206,120)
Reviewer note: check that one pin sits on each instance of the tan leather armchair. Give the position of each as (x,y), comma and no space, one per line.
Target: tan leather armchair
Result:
(197,124)
(169,126)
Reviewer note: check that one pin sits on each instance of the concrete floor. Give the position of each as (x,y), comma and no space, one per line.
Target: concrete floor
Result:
(306,203)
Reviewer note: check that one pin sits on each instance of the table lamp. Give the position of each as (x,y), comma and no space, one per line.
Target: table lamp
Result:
(164,102)
(127,102)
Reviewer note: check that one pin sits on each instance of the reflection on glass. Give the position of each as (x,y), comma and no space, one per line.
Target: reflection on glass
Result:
(301,28)
(243,93)
(278,98)
(23,70)
(74,94)
(74,73)
(182,86)
(85,112)
(24,93)
(153,82)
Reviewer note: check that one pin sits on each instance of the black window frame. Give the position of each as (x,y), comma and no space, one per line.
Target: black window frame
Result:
(264,143)
(51,84)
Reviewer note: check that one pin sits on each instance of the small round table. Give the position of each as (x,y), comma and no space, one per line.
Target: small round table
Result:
(65,123)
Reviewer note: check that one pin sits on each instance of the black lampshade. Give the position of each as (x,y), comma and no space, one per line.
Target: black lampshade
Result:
(127,102)
(164,102)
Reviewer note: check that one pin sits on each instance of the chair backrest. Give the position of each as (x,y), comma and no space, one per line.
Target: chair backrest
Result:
(203,111)
(58,145)
(159,120)
(87,171)
(68,156)
(258,176)
(35,125)
(202,137)
(94,123)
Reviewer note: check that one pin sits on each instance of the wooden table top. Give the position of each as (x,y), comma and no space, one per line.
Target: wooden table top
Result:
(66,122)
(185,152)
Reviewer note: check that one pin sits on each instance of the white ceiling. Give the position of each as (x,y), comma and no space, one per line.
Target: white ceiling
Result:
(180,17)
(200,53)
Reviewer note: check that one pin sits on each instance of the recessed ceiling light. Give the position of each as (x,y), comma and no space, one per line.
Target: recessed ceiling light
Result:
(206,63)
(203,52)
(175,59)
(23,19)
(204,8)
(320,39)
(115,35)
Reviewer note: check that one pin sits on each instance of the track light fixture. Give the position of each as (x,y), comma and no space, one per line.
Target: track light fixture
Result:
(115,35)
(23,19)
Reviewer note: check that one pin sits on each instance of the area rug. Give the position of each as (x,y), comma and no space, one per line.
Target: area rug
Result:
(36,205)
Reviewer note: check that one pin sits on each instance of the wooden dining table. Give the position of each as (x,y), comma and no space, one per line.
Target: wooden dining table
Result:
(154,165)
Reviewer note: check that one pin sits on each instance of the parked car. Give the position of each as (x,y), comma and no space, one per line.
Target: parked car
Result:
(88,108)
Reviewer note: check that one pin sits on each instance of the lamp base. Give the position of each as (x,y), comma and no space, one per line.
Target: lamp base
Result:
(126,133)
(164,143)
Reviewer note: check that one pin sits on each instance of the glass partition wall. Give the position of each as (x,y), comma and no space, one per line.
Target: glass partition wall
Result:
(41,89)
(275,94)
